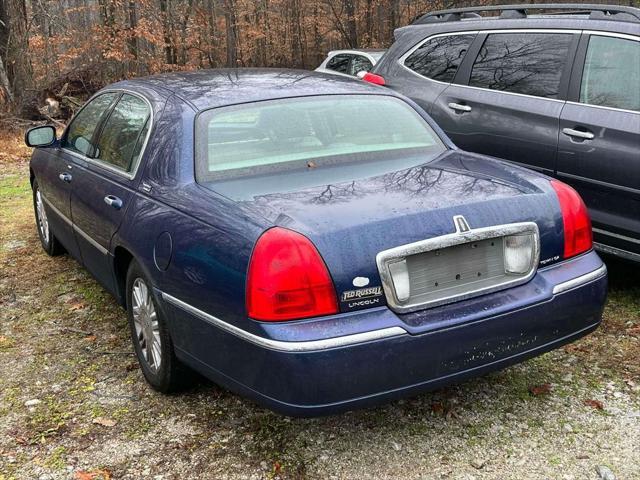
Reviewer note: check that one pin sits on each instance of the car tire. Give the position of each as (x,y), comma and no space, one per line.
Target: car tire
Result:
(48,240)
(150,336)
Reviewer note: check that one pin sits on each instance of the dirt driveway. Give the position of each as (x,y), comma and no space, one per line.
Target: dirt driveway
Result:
(74,405)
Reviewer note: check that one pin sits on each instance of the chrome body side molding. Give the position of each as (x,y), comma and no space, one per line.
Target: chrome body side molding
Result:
(618,252)
(579,281)
(76,229)
(282,346)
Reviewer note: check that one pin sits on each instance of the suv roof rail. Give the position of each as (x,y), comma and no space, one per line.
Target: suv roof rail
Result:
(595,11)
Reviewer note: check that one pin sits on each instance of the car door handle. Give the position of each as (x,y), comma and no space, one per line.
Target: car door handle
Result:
(459,108)
(65,177)
(113,201)
(578,133)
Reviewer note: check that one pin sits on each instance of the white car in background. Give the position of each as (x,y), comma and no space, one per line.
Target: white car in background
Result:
(349,63)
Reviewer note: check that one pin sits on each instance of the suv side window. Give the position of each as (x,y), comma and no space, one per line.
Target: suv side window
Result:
(439,58)
(611,74)
(123,133)
(339,63)
(526,63)
(360,63)
(79,135)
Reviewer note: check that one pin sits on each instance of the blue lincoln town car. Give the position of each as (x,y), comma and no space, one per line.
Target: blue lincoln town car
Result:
(311,242)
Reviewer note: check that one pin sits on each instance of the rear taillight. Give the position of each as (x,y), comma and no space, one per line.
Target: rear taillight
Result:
(287,279)
(578,237)
(373,78)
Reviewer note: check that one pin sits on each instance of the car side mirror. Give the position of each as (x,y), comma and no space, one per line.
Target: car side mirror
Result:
(361,74)
(43,136)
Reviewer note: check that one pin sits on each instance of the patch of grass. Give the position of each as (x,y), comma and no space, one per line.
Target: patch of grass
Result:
(57,459)
(92,293)
(14,186)
(6,343)
(48,419)
(275,441)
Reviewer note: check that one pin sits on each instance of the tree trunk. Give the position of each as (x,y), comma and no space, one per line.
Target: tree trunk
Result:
(132,41)
(183,33)
(14,49)
(6,94)
(169,49)
(232,32)
(350,13)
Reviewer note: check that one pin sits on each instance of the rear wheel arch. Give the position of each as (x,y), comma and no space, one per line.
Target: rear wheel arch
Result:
(121,261)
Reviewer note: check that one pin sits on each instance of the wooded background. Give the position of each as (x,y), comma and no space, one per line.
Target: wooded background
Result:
(67,49)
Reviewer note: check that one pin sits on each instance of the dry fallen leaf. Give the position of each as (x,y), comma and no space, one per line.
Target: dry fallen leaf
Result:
(597,404)
(93,475)
(105,422)
(538,390)
(633,331)
(90,338)
(76,306)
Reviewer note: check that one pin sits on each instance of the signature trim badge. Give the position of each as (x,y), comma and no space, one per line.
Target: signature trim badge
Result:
(361,293)
(362,297)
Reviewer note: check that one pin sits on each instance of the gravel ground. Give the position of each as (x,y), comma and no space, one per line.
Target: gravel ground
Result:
(73,404)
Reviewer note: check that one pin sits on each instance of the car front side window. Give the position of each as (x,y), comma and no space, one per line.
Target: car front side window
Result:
(439,58)
(339,63)
(79,135)
(611,74)
(124,133)
(525,63)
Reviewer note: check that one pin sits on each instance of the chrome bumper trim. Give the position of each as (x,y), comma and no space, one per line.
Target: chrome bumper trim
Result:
(282,346)
(581,280)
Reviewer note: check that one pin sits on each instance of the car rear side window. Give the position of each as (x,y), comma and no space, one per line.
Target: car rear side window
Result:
(339,63)
(360,64)
(79,136)
(124,133)
(526,63)
(439,58)
(309,132)
(611,75)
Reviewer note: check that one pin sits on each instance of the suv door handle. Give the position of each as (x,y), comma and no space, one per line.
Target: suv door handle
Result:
(113,201)
(65,177)
(459,108)
(578,133)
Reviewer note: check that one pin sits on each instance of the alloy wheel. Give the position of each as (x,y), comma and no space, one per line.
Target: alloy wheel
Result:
(43,223)
(145,320)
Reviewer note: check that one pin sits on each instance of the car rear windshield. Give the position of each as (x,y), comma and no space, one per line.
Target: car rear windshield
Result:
(277,135)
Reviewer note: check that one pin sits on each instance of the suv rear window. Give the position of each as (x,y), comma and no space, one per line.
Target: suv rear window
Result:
(611,76)
(439,58)
(526,63)
(275,135)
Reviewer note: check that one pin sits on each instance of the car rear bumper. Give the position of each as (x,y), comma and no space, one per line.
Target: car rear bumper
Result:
(305,369)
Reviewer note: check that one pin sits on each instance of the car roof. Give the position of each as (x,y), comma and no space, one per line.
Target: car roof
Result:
(568,22)
(205,89)
(358,50)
